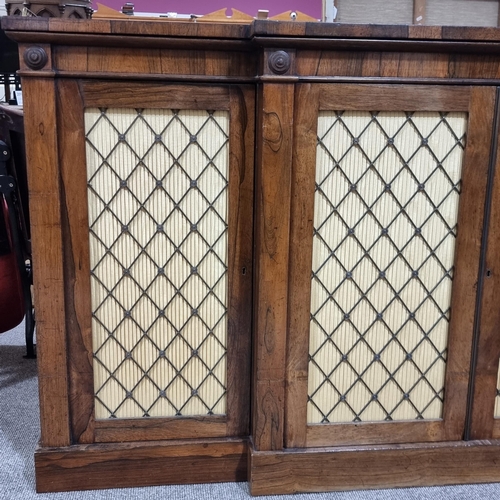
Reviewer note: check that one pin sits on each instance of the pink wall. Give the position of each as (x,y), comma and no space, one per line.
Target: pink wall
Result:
(310,7)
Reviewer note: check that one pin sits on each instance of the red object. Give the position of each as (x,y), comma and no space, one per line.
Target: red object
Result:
(11,292)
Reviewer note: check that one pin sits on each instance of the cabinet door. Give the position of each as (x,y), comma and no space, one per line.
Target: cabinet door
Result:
(388,197)
(157,186)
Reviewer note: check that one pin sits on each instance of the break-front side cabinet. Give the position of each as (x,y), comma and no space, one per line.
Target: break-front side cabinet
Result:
(264,251)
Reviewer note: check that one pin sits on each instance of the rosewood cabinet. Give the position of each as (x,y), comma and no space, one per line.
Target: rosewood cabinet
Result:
(264,251)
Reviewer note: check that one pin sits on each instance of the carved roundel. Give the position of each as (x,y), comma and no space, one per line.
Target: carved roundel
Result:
(279,62)
(35,58)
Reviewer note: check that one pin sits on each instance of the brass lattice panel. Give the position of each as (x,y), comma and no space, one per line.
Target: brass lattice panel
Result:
(157,195)
(386,203)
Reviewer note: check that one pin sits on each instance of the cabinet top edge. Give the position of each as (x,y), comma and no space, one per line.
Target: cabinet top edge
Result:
(247,31)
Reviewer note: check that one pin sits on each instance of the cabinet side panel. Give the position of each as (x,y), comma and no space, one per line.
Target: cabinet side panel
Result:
(45,199)
(76,259)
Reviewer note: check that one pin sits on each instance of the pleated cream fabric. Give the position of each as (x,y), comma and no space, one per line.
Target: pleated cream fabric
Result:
(157,198)
(383,252)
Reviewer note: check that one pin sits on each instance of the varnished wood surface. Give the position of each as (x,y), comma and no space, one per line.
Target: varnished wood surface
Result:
(339,30)
(433,45)
(155,61)
(272,199)
(160,96)
(121,27)
(159,429)
(122,40)
(371,64)
(394,98)
(366,433)
(483,424)
(370,467)
(74,213)
(47,246)
(467,254)
(301,233)
(240,256)
(337,62)
(257,28)
(86,467)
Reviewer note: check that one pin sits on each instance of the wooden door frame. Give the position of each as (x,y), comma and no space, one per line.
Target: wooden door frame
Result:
(486,360)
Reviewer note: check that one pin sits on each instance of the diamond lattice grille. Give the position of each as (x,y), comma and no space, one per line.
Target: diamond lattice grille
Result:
(386,203)
(157,195)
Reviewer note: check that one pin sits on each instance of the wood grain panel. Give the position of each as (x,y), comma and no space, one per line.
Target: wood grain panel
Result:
(483,425)
(240,254)
(301,233)
(395,98)
(425,32)
(155,61)
(391,64)
(68,58)
(334,30)
(86,467)
(49,293)
(210,63)
(154,95)
(159,429)
(371,467)
(123,60)
(76,260)
(274,158)
(467,254)
(154,29)
(365,433)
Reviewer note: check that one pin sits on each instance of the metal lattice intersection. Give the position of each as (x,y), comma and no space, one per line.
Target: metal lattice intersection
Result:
(157,189)
(386,203)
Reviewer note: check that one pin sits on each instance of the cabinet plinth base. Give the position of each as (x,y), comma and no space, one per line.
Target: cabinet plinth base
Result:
(117,465)
(372,467)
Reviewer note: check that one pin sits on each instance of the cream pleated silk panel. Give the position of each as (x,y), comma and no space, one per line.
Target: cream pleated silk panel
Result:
(157,197)
(385,217)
